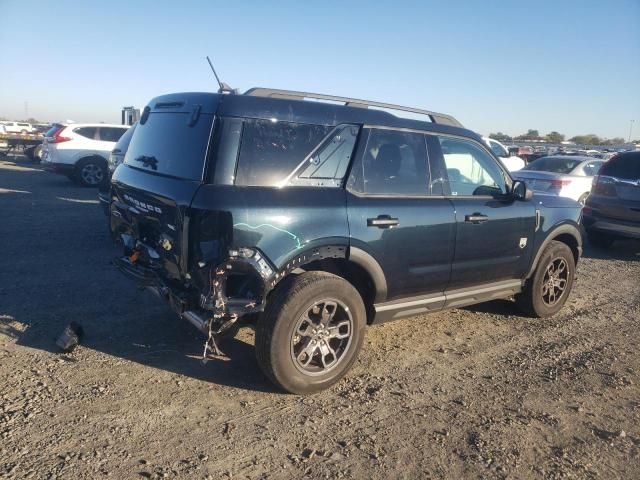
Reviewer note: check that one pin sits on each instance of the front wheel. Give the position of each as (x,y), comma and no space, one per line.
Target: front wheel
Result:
(548,289)
(311,332)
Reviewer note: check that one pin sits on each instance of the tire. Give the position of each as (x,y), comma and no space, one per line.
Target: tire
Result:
(90,172)
(29,153)
(281,345)
(599,240)
(37,154)
(543,296)
(583,198)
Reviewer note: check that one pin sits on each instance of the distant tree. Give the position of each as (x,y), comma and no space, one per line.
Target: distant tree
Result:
(590,139)
(555,137)
(30,120)
(530,135)
(501,137)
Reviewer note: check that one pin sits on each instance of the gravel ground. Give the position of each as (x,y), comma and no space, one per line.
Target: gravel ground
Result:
(479,392)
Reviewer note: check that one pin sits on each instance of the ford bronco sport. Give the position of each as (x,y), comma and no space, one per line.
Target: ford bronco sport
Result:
(316,219)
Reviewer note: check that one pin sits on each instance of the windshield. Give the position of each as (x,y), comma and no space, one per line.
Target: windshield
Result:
(498,149)
(167,144)
(553,164)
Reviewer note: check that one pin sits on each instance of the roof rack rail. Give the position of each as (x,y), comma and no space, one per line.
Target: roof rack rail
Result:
(435,117)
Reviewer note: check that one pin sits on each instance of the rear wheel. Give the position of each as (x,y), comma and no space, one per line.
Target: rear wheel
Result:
(90,172)
(599,239)
(37,154)
(546,292)
(311,332)
(30,153)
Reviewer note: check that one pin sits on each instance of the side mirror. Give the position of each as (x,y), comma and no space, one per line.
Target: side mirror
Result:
(521,191)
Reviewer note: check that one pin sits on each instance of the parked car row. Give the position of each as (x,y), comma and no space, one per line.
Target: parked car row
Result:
(561,175)
(81,151)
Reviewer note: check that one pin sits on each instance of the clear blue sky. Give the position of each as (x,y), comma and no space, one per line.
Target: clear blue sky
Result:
(571,66)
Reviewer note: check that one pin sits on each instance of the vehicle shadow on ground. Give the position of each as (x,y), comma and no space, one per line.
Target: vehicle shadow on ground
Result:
(496,307)
(55,268)
(626,250)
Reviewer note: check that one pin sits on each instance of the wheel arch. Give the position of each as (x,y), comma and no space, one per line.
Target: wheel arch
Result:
(353,264)
(91,156)
(567,234)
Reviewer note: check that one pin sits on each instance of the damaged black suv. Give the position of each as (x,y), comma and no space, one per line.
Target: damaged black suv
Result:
(315,216)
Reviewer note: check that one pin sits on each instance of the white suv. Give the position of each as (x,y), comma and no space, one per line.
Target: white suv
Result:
(18,127)
(512,162)
(80,151)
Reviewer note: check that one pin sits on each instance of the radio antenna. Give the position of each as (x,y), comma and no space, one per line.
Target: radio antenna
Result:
(223,86)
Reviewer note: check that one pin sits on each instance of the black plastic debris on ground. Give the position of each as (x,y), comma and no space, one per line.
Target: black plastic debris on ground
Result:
(70,337)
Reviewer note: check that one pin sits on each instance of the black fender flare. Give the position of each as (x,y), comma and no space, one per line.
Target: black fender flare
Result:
(373,268)
(552,235)
(336,250)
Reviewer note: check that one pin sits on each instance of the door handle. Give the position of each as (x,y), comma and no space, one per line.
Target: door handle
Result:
(382,221)
(476,218)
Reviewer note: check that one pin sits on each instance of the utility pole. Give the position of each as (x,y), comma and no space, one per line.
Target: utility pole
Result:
(630,129)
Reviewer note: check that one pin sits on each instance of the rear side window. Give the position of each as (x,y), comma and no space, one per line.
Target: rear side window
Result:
(168,144)
(393,163)
(624,166)
(270,151)
(125,139)
(111,134)
(327,165)
(87,132)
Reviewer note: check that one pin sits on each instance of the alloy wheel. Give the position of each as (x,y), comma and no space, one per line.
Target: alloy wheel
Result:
(91,174)
(321,337)
(555,281)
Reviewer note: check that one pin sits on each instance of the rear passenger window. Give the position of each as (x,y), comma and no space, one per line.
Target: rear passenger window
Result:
(327,165)
(393,163)
(87,132)
(270,150)
(111,134)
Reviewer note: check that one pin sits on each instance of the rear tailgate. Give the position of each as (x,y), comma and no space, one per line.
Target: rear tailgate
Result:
(163,168)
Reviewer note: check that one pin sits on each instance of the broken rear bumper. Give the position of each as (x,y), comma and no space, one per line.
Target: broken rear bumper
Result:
(220,301)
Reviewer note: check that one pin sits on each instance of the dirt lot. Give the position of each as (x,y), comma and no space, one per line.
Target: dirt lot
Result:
(477,392)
